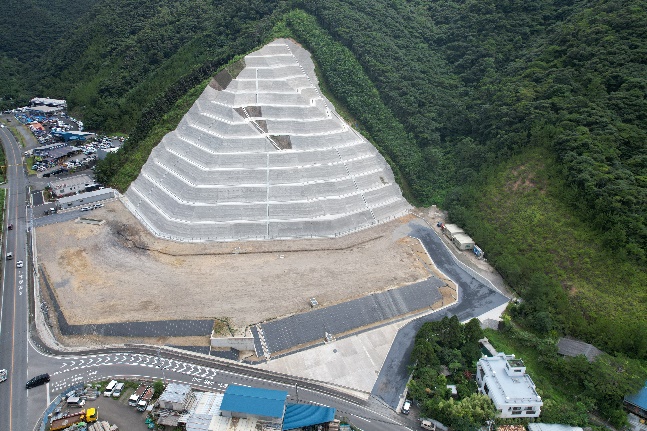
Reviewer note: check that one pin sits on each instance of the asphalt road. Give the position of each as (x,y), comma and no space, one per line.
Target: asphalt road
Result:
(475,298)
(14,303)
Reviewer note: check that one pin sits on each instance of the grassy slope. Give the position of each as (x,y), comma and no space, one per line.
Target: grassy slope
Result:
(521,211)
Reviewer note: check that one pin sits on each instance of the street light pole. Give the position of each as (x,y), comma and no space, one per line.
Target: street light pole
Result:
(159,362)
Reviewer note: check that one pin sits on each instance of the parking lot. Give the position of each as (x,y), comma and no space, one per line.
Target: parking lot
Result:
(115,411)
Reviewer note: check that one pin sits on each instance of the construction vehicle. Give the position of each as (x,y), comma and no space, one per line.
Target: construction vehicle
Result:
(88,416)
(134,398)
(143,402)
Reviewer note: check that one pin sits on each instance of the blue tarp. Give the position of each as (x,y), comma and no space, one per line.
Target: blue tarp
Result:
(303,415)
(254,401)
(639,399)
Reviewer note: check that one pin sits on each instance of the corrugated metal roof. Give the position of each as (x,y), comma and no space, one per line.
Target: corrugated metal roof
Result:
(303,415)
(254,401)
(571,347)
(175,393)
(639,399)
(552,427)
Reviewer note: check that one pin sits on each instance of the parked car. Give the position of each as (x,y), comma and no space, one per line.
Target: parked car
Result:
(37,381)
(19,264)
(406,407)
(10,227)
(3,375)
(86,208)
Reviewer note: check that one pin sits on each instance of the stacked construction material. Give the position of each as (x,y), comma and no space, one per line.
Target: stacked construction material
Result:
(263,155)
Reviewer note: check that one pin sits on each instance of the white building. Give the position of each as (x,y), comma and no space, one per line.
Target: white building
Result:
(176,397)
(503,378)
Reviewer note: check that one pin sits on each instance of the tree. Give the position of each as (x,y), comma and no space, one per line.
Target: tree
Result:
(158,387)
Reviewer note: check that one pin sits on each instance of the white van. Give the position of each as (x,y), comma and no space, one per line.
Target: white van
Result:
(116,392)
(110,388)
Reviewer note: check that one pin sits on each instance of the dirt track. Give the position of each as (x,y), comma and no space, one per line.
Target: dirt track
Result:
(119,272)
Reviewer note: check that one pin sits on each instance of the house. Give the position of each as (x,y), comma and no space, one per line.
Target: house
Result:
(503,378)
(69,186)
(176,397)
(637,403)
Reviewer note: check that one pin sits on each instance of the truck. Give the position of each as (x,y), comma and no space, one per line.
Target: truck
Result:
(88,416)
(143,402)
(134,398)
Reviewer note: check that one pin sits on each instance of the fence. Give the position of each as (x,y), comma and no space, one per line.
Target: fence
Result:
(55,403)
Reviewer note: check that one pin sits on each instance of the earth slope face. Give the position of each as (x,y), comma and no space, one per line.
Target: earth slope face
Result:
(263,155)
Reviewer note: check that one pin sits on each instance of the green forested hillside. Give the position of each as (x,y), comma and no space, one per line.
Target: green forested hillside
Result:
(526,120)
(29,30)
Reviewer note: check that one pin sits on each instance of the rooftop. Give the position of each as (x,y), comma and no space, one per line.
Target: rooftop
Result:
(255,401)
(571,347)
(175,393)
(639,399)
(48,101)
(71,181)
(302,415)
(504,388)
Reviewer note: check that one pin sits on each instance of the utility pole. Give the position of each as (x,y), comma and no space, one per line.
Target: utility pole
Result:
(159,362)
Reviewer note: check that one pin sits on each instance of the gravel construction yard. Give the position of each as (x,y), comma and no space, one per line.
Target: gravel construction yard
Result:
(118,272)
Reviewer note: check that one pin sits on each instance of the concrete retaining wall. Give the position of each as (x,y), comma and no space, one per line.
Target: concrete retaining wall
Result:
(238,343)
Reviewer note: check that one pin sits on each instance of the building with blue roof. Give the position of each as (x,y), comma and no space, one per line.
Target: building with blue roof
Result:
(303,415)
(637,403)
(266,405)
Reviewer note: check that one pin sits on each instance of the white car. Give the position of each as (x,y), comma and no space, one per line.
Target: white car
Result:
(3,375)
(86,209)
(19,264)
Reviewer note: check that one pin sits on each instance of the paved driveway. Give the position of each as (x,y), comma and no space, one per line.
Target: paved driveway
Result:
(475,298)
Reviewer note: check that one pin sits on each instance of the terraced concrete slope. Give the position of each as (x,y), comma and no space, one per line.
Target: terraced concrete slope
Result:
(263,155)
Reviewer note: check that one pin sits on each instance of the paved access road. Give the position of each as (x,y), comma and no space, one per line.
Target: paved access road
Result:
(475,298)
(14,304)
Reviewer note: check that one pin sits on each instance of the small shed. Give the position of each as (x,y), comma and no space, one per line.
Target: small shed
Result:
(451,230)
(463,242)
(571,347)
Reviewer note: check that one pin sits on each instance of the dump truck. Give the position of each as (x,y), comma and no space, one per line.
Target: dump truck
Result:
(143,402)
(134,398)
(89,415)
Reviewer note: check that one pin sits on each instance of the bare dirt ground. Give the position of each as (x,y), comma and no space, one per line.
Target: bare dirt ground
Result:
(118,272)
